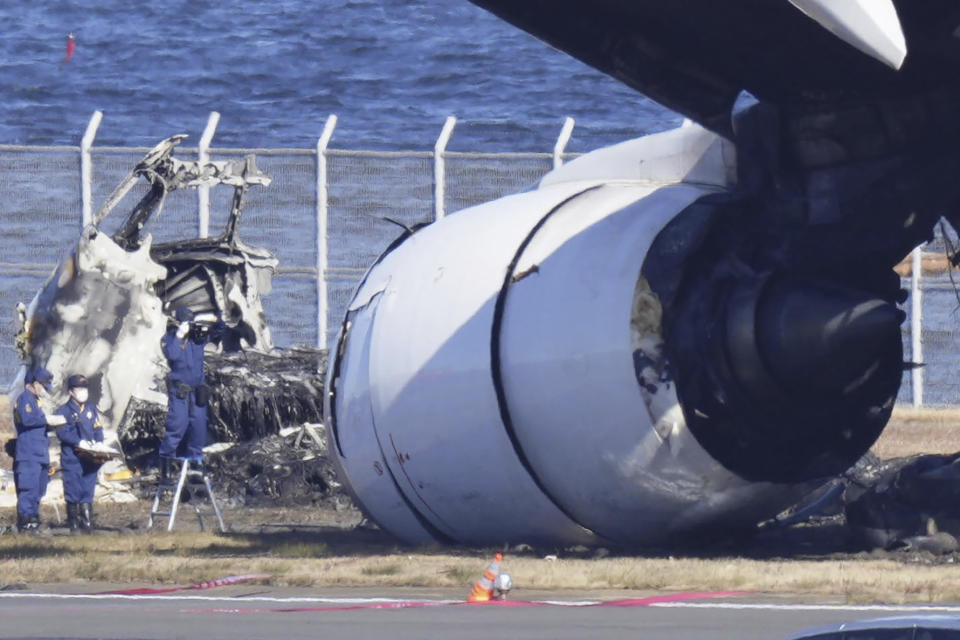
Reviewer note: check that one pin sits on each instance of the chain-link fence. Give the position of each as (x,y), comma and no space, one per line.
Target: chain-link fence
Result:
(368,194)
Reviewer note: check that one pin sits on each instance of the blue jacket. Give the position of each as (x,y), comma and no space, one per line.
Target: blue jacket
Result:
(32,442)
(185,355)
(82,424)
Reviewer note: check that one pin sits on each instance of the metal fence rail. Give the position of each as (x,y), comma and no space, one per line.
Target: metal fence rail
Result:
(325,218)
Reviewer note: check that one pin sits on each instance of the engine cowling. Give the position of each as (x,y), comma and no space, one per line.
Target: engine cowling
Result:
(549,368)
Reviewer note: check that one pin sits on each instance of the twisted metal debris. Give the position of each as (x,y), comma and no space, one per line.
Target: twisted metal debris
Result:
(103,310)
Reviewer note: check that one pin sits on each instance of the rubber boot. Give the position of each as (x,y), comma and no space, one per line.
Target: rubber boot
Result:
(166,470)
(22,522)
(73,517)
(86,516)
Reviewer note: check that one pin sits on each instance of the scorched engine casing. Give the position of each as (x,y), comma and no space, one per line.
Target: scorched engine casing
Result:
(577,364)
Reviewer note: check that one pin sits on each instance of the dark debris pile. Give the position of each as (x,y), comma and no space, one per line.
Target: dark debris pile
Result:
(279,470)
(907,505)
(255,394)
(139,433)
(260,404)
(286,469)
(911,503)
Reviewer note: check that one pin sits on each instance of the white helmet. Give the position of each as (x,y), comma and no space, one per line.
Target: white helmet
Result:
(503,583)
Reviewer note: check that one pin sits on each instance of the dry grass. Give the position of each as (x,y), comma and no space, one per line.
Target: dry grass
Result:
(308,559)
(185,559)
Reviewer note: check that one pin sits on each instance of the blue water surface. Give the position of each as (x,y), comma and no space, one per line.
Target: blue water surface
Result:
(392,70)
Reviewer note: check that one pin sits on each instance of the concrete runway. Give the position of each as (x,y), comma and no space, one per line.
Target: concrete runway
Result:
(238,613)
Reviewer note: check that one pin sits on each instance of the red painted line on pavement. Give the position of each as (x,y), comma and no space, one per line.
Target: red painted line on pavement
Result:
(632,602)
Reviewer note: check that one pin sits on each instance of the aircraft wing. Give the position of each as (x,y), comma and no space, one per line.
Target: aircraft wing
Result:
(696,56)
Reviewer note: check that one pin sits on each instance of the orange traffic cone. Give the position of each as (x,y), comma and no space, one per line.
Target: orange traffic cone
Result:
(483,590)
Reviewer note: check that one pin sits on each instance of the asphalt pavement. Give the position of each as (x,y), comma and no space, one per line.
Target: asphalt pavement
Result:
(251,612)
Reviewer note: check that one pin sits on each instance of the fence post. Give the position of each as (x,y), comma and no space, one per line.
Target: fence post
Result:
(439,169)
(203,191)
(565,132)
(916,326)
(86,169)
(323,303)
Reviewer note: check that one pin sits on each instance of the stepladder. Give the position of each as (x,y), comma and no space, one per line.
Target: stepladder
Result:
(192,481)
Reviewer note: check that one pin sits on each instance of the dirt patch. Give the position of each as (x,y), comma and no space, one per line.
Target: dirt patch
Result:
(912,431)
(132,517)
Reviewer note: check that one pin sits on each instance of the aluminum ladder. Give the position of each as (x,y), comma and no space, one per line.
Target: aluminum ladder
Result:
(164,487)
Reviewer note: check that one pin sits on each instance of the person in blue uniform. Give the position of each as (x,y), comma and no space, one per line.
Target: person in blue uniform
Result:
(79,474)
(31,464)
(185,432)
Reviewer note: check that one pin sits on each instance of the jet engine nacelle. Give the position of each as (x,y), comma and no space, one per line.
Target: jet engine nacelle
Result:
(506,374)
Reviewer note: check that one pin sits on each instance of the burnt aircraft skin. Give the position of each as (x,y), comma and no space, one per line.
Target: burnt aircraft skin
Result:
(210,275)
(104,309)
(97,305)
(763,339)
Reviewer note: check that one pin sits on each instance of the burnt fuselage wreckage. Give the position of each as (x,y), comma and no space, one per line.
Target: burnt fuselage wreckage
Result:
(679,334)
(106,306)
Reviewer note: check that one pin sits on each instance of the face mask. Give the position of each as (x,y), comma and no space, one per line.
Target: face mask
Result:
(80,394)
(41,391)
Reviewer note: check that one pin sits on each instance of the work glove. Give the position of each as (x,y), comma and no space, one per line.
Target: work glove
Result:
(205,317)
(183,330)
(56,420)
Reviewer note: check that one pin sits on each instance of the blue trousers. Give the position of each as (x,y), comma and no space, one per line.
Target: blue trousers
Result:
(31,479)
(185,433)
(79,483)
